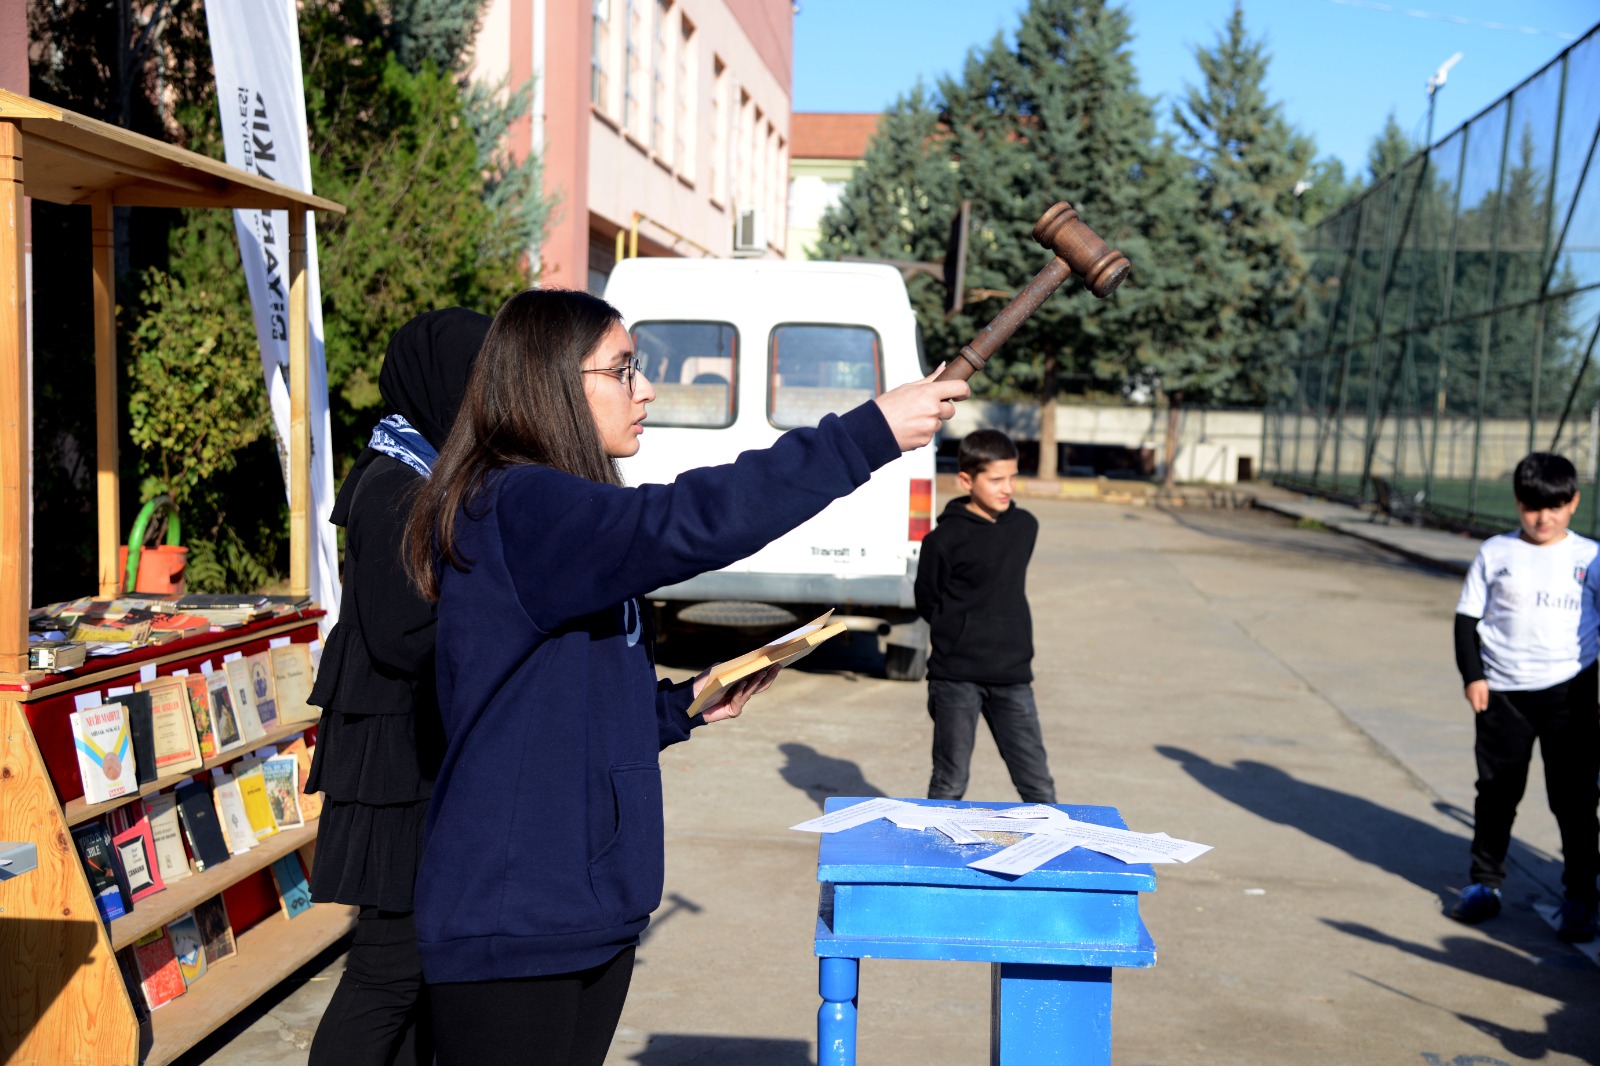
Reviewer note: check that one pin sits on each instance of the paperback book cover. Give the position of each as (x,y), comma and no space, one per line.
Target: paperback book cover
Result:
(224,716)
(244,701)
(200,826)
(252,784)
(231,814)
(310,802)
(293,890)
(141,725)
(188,947)
(104,743)
(787,649)
(136,851)
(292,678)
(171,859)
(159,974)
(177,748)
(94,849)
(281,774)
(262,689)
(200,710)
(216,931)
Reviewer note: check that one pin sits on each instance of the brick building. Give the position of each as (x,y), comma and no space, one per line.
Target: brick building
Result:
(674,111)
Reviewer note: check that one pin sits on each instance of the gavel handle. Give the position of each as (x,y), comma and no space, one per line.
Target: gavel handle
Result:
(996,333)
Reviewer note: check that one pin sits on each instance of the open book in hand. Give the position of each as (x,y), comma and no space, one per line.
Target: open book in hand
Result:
(786,649)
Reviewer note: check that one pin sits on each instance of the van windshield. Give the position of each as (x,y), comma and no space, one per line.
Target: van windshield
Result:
(819,370)
(693,366)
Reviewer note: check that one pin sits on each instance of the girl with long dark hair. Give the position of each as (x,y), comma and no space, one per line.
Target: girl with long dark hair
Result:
(543,855)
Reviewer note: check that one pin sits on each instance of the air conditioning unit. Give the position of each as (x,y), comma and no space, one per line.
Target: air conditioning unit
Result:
(750,232)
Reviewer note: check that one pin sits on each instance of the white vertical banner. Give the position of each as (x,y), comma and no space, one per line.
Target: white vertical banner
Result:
(255,48)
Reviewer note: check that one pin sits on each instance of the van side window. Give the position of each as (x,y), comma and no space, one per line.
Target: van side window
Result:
(819,370)
(694,367)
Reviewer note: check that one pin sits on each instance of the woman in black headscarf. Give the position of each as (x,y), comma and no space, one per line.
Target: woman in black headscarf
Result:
(379,741)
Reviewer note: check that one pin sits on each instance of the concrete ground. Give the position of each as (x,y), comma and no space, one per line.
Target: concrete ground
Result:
(1286,694)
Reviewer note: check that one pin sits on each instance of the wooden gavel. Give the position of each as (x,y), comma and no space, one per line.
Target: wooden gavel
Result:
(1079,250)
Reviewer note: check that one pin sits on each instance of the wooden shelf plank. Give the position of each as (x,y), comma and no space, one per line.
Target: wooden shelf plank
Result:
(159,909)
(77,811)
(267,954)
(37,684)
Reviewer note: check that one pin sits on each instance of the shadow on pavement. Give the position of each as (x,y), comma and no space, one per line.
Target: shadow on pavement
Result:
(1404,846)
(672,1049)
(1569,1030)
(820,776)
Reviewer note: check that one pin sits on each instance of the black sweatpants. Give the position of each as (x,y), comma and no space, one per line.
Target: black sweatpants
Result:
(564,1019)
(377,1016)
(1566,723)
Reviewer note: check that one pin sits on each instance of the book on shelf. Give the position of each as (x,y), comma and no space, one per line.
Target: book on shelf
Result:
(281,775)
(789,648)
(56,655)
(231,814)
(159,974)
(136,851)
(104,743)
(293,890)
(94,850)
(263,689)
(194,686)
(171,859)
(178,625)
(215,601)
(244,700)
(252,783)
(177,748)
(188,947)
(142,727)
(310,802)
(292,677)
(129,967)
(201,828)
(216,930)
(224,716)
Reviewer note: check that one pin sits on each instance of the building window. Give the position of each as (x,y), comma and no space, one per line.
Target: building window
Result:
(719,130)
(599,84)
(686,110)
(660,70)
(633,68)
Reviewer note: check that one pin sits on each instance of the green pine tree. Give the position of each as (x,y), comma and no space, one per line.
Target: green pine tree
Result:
(1249,166)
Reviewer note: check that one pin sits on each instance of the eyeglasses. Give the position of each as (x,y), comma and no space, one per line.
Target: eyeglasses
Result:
(626,373)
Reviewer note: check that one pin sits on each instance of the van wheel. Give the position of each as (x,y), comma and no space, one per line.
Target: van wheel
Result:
(905,662)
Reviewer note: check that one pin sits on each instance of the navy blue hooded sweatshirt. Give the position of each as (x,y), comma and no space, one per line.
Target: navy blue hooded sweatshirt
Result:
(544,844)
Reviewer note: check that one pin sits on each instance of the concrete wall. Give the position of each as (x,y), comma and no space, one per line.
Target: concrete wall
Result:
(1210,443)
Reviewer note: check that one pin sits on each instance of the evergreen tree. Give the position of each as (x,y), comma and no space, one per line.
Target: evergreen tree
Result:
(437,216)
(1389,150)
(1248,168)
(1060,117)
(899,206)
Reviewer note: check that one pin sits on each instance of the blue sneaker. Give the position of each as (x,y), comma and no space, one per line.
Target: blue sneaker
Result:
(1577,922)
(1477,903)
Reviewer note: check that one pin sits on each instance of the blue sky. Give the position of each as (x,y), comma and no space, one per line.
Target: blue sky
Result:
(1338,66)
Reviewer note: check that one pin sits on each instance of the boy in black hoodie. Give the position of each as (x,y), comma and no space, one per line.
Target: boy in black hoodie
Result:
(971,589)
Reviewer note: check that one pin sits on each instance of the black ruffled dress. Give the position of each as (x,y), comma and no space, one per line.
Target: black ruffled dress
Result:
(380,739)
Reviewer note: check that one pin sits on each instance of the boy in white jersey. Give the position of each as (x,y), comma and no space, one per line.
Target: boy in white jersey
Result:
(1527,636)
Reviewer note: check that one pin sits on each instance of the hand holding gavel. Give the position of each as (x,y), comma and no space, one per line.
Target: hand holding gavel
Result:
(1079,250)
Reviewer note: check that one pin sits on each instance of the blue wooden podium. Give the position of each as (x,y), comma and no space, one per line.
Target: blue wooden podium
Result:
(1052,936)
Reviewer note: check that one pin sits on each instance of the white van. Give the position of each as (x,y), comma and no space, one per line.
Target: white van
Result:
(740,351)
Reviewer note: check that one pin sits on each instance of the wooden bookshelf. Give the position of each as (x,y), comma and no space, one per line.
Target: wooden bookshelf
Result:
(77,811)
(152,912)
(267,954)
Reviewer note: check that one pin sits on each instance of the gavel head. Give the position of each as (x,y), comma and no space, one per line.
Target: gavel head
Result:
(1064,233)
